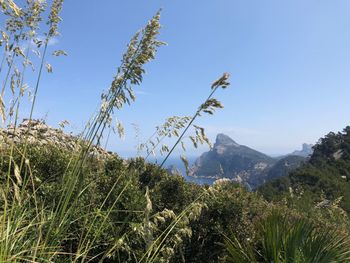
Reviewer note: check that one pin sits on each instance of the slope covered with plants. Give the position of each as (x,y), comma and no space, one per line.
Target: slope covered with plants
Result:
(323,179)
(63,198)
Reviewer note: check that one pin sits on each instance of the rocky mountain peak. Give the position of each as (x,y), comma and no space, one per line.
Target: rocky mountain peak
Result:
(229,159)
(307,147)
(305,151)
(224,140)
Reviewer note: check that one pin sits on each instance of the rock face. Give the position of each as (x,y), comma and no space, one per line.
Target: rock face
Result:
(36,131)
(306,150)
(230,160)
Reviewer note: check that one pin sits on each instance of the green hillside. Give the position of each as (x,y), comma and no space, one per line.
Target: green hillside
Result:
(324,177)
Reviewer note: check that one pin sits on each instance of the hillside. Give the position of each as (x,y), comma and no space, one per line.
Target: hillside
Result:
(65,198)
(202,214)
(284,166)
(324,177)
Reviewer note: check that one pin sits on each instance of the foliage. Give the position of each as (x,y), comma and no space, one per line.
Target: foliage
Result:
(282,237)
(324,177)
(60,205)
(228,207)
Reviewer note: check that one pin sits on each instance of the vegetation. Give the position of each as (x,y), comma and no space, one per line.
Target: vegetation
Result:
(290,239)
(324,180)
(62,205)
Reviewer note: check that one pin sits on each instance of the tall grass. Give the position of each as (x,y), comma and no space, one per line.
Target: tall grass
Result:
(21,223)
(209,106)
(30,231)
(20,238)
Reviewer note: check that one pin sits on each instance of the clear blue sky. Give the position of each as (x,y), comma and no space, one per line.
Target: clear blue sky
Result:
(289,63)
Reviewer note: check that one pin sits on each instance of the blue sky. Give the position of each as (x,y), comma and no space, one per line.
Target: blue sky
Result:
(289,63)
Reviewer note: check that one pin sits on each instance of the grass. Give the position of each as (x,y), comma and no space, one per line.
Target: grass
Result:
(31,230)
(59,205)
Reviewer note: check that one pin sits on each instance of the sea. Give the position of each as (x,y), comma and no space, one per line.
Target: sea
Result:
(177,162)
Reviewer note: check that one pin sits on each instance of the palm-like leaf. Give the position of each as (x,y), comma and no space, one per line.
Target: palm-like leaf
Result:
(281,240)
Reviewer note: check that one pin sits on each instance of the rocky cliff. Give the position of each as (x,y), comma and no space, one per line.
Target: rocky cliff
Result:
(38,132)
(305,151)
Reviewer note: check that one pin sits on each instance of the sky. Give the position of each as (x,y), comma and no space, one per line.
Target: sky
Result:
(289,63)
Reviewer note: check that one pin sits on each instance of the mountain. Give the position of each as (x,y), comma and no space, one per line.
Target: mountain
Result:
(228,159)
(306,150)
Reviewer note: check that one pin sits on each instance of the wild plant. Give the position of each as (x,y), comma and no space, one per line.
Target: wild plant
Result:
(21,223)
(141,49)
(178,126)
(287,239)
(31,231)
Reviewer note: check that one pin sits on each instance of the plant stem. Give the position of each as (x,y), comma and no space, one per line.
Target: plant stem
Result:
(188,126)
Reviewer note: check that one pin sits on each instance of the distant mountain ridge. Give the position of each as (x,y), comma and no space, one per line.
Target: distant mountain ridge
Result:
(306,150)
(228,159)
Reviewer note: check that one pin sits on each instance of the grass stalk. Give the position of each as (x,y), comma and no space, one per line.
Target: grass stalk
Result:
(222,82)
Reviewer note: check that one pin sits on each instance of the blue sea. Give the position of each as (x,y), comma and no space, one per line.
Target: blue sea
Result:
(176,161)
